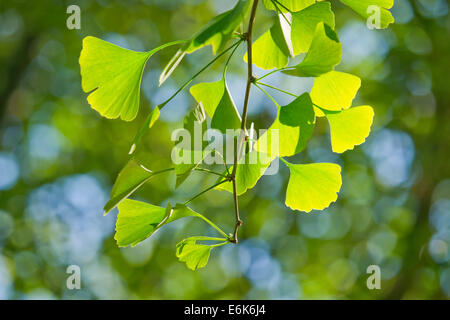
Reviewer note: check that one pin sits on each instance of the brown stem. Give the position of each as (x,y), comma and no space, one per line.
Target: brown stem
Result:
(250,80)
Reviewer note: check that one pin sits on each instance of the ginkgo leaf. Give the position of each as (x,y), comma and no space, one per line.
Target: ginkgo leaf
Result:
(191,152)
(113,74)
(324,54)
(136,222)
(304,24)
(335,90)
(293,127)
(376,9)
(292,5)
(248,172)
(195,255)
(132,176)
(313,186)
(215,33)
(273,48)
(349,128)
(218,104)
(139,220)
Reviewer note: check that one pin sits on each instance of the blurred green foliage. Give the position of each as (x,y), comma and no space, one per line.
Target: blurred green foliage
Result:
(58,160)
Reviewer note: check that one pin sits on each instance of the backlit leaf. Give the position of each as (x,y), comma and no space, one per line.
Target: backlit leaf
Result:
(292,5)
(113,74)
(272,49)
(304,24)
(195,255)
(248,172)
(215,33)
(367,8)
(295,124)
(132,176)
(139,220)
(349,128)
(218,103)
(335,90)
(324,54)
(313,186)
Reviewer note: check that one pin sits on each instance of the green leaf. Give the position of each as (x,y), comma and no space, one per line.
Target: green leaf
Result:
(292,5)
(313,186)
(113,74)
(196,255)
(304,24)
(218,104)
(139,220)
(215,33)
(349,128)
(324,54)
(295,124)
(363,8)
(248,172)
(191,151)
(136,222)
(273,48)
(149,122)
(334,91)
(132,176)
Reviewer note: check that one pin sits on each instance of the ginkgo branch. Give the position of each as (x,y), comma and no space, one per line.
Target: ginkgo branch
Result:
(250,79)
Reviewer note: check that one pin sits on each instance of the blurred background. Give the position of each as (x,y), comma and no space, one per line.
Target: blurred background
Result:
(59,159)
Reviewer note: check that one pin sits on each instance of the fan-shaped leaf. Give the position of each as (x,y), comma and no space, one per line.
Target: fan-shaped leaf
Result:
(304,24)
(295,125)
(324,54)
(273,48)
(334,91)
(215,33)
(114,75)
(364,9)
(218,103)
(313,186)
(349,128)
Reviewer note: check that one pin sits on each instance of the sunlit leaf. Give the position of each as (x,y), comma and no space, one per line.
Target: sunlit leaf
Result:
(273,48)
(114,75)
(248,172)
(218,104)
(215,33)
(368,8)
(139,220)
(324,54)
(313,186)
(349,128)
(335,90)
(191,151)
(132,176)
(194,254)
(295,125)
(304,24)
(292,5)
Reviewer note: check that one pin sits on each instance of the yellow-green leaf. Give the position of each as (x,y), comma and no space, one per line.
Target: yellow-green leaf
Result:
(335,90)
(295,124)
(349,128)
(304,24)
(324,54)
(367,9)
(272,49)
(292,5)
(218,104)
(114,75)
(313,186)
(248,172)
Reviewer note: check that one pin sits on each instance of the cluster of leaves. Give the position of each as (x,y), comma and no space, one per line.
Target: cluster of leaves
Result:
(113,74)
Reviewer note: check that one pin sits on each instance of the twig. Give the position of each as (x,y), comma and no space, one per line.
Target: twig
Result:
(250,80)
